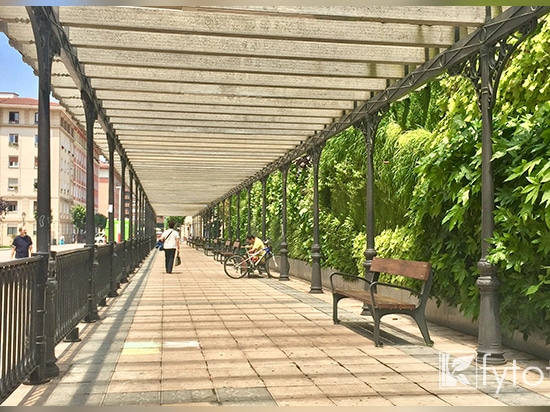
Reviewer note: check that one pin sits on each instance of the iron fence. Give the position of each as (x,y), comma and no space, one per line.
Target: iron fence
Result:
(44,298)
(19,302)
(72,270)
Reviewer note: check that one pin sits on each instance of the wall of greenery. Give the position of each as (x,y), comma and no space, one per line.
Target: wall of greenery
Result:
(428,191)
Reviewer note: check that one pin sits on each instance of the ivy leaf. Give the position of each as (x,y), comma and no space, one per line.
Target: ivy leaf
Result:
(532,290)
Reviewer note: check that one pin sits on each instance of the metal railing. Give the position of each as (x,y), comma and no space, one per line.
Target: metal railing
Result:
(18,323)
(71,300)
(44,298)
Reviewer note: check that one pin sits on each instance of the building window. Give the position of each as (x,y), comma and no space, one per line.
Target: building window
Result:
(14,139)
(35,184)
(36,140)
(36,162)
(12,206)
(14,161)
(12,230)
(14,117)
(35,117)
(13,184)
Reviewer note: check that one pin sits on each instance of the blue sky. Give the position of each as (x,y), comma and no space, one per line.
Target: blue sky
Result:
(15,75)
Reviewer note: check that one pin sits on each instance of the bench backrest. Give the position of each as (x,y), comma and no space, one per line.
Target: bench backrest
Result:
(408,268)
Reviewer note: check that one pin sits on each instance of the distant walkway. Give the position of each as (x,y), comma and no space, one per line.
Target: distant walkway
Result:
(5,252)
(197,337)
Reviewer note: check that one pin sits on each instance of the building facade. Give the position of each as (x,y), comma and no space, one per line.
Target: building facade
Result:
(19,167)
(103,195)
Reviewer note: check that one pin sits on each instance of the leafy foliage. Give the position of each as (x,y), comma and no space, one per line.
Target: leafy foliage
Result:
(100,221)
(427,162)
(3,206)
(178,219)
(78,213)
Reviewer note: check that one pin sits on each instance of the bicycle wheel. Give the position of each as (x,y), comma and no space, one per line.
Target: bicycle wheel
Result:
(235,267)
(272,267)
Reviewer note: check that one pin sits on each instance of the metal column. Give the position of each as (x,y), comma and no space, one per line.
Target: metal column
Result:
(264,207)
(284,245)
(484,70)
(316,281)
(46,48)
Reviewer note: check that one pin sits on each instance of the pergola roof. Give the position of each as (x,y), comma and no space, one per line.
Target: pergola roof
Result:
(206,100)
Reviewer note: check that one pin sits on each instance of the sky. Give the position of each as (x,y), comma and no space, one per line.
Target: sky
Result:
(15,75)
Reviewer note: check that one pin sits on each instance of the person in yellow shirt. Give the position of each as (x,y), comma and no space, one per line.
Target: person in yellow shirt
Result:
(254,245)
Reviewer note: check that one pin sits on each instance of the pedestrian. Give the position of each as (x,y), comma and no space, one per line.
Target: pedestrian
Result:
(22,245)
(171,245)
(62,240)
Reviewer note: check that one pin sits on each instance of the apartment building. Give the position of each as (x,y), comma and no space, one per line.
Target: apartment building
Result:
(19,167)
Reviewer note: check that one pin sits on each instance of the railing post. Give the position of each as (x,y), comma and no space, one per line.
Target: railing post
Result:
(38,376)
(113,285)
(92,315)
(51,318)
(123,264)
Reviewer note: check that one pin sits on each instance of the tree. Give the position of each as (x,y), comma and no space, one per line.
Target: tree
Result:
(79,217)
(100,220)
(178,219)
(3,206)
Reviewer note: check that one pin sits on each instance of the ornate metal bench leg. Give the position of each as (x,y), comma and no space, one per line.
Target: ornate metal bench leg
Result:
(335,299)
(376,319)
(422,325)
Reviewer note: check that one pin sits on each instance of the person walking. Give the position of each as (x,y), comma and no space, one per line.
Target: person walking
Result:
(171,245)
(21,246)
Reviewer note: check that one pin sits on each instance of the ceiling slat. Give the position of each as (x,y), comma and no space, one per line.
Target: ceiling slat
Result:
(212,97)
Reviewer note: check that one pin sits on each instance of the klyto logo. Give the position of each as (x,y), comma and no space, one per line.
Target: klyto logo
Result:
(464,370)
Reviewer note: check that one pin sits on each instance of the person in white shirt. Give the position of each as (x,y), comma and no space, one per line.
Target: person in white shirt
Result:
(171,247)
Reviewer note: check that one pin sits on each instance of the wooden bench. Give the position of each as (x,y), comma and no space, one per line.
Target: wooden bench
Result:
(375,296)
(198,243)
(220,247)
(231,251)
(209,246)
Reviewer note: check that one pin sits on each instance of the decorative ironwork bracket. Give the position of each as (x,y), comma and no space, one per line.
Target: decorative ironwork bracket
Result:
(369,125)
(497,55)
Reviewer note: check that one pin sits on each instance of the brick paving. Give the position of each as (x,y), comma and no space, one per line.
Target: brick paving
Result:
(197,337)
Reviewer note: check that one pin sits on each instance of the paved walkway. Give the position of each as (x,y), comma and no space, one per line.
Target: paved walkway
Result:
(197,337)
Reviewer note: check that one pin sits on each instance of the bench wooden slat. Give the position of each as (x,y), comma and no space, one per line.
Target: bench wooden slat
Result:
(409,268)
(230,251)
(382,302)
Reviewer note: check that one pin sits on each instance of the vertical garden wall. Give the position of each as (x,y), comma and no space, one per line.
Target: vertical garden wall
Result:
(428,190)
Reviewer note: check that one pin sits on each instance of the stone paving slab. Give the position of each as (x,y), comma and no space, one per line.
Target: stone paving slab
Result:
(198,338)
